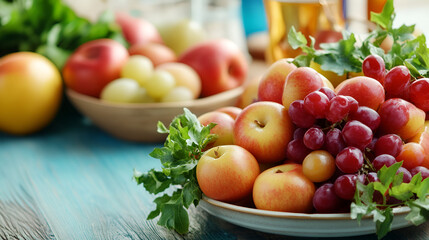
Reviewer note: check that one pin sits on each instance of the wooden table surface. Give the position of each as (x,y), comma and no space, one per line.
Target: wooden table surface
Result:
(74,181)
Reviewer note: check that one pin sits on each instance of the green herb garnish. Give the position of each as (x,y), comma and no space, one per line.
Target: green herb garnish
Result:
(347,55)
(182,149)
(50,28)
(413,194)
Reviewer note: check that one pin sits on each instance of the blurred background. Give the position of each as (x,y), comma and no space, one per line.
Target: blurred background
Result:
(244,21)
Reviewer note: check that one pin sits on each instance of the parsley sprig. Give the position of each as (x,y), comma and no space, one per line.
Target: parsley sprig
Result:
(347,54)
(413,194)
(179,156)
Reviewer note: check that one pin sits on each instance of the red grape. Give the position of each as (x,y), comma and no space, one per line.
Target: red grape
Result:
(339,107)
(326,201)
(397,81)
(357,134)
(367,116)
(372,177)
(407,175)
(328,92)
(349,160)
(373,66)
(296,150)
(383,160)
(388,144)
(299,116)
(334,141)
(354,105)
(317,104)
(299,133)
(314,138)
(420,169)
(345,186)
(419,93)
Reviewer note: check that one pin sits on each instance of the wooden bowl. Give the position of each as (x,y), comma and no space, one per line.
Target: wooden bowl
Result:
(138,121)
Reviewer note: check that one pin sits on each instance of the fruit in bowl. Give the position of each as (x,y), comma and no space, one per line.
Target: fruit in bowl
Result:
(126,95)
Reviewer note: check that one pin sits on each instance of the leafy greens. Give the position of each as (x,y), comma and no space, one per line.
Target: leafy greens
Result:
(51,28)
(182,149)
(347,55)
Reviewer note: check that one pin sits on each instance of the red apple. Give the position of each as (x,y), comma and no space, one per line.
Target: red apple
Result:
(220,64)
(264,129)
(401,117)
(299,83)
(223,129)
(230,110)
(93,65)
(272,82)
(227,173)
(137,30)
(284,188)
(156,52)
(367,91)
(327,36)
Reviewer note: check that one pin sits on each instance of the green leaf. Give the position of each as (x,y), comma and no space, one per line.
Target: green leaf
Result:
(384,223)
(153,181)
(386,174)
(179,156)
(174,215)
(296,39)
(386,17)
(422,190)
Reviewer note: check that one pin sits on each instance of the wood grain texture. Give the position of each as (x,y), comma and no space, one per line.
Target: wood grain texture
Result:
(74,181)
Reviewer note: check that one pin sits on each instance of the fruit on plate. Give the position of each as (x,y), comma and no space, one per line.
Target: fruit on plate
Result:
(231,111)
(264,129)
(272,82)
(352,145)
(299,83)
(182,35)
(139,68)
(125,90)
(220,64)
(234,168)
(250,92)
(93,65)
(401,117)
(30,92)
(156,52)
(223,129)
(184,75)
(137,30)
(367,91)
(334,78)
(284,188)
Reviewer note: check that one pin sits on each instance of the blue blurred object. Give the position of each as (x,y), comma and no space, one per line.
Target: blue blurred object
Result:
(253,14)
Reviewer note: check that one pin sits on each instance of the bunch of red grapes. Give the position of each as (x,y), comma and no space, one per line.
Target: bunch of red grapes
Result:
(337,141)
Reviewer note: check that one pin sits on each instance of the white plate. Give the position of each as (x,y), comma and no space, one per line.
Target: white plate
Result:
(298,224)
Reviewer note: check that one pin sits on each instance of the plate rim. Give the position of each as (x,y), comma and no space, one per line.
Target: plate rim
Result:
(290,215)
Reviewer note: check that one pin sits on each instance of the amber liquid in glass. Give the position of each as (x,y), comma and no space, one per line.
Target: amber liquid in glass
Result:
(307,16)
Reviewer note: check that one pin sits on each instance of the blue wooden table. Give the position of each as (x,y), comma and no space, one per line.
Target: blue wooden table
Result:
(74,181)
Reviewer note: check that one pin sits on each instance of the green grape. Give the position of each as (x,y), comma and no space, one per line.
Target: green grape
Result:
(139,68)
(124,90)
(160,83)
(178,94)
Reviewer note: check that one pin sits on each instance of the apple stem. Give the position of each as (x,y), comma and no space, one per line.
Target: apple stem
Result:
(260,124)
(279,171)
(216,152)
